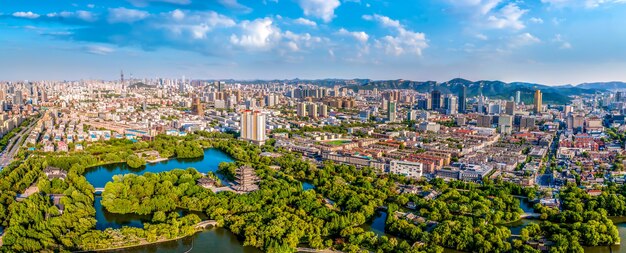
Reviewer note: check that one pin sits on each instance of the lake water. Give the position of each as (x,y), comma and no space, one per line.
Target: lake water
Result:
(100,175)
(377,225)
(213,240)
(105,220)
(307,186)
(526,205)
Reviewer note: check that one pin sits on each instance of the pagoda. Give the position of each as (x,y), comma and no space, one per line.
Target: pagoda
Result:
(246,179)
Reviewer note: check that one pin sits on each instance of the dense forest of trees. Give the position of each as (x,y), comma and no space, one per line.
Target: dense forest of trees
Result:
(150,193)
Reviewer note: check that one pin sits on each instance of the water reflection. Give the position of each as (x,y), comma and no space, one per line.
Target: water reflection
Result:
(214,240)
(105,219)
(100,175)
(377,225)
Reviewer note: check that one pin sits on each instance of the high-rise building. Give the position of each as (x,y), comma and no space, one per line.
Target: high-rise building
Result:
(505,123)
(197,107)
(537,101)
(509,108)
(312,109)
(436,99)
(424,104)
(412,115)
(484,121)
(253,126)
(518,97)
(271,100)
(301,110)
(18,99)
(463,99)
(451,105)
(250,103)
(323,111)
(391,111)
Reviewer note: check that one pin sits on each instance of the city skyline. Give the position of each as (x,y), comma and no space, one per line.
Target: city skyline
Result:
(547,41)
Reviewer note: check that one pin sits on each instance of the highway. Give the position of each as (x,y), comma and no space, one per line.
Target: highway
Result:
(14,144)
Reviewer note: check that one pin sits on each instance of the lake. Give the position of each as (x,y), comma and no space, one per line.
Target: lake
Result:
(100,175)
(217,240)
(377,225)
(213,240)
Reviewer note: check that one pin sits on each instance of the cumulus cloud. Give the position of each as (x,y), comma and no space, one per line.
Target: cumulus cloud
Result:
(193,24)
(322,9)
(305,22)
(21,14)
(359,36)
(493,14)
(402,41)
(259,34)
(123,15)
(507,17)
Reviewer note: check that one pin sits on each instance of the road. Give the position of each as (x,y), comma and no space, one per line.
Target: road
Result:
(546,180)
(14,144)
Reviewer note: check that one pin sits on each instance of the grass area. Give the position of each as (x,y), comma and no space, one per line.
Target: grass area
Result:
(337,142)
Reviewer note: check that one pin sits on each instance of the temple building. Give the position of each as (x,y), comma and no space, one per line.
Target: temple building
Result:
(246,179)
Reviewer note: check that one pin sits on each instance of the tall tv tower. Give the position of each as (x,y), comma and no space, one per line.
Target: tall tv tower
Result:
(122,76)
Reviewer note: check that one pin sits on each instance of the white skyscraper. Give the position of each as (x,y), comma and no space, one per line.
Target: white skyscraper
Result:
(253,126)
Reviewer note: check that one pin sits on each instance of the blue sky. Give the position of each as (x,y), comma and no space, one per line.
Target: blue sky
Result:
(543,41)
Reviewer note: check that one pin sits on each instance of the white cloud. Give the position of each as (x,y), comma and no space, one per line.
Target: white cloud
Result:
(481,7)
(234,4)
(21,14)
(305,22)
(481,36)
(536,20)
(178,14)
(195,24)
(360,36)
(323,9)
(82,15)
(581,3)
(99,50)
(404,41)
(507,17)
(259,34)
(91,6)
(558,39)
(524,39)
(123,15)
(295,42)
(144,3)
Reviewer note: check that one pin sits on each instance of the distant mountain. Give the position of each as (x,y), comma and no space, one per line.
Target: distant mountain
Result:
(603,85)
(140,85)
(492,89)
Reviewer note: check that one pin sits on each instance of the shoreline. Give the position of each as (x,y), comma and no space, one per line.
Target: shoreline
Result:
(141,244)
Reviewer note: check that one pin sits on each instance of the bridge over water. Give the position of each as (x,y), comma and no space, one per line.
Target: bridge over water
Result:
(206,223)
